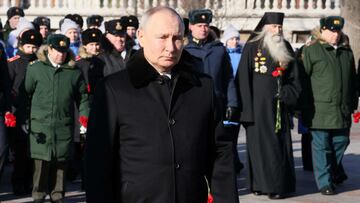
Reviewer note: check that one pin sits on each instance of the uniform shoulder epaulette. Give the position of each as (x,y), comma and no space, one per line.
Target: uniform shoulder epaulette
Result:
(13,58)
(311,42)
(32,62)
(77,58)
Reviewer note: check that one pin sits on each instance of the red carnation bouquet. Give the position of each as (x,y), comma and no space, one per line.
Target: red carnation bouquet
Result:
(356,117)
(10,120)
(210,198)
(88,88)
(277,73)
(83,121)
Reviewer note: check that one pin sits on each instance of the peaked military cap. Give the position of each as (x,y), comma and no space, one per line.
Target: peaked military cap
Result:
(115,27)
(42,20)
(91,35)
(59,42)
(15,11)
(200,16)
(94,20)
(332,23)
(31,37)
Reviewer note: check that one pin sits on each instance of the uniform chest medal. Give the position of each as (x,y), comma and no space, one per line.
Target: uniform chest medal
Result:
(260,62)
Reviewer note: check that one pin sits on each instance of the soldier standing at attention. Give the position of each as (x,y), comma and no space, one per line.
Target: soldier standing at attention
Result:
(52,86)
(330,69)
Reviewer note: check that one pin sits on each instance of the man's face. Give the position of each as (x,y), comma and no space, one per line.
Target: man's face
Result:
(331,37)
(117,41)
(93,48)
(44,31)
(162,40)
(199,30)
(275,29)
(29,48)
(72,34)
(13,21)
(56,56)
(131,31)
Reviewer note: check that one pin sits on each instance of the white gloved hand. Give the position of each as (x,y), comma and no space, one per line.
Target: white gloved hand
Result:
(25,128)
(83,130)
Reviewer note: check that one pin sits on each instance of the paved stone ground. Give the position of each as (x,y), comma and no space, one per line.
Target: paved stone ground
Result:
(306,191)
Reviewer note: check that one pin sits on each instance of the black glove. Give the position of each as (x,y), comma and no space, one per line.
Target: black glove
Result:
(232,114)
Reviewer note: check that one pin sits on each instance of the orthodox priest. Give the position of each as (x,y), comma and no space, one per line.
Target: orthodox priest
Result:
(268,85)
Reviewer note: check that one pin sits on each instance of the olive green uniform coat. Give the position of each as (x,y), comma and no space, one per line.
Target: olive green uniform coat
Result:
(330,89)
(51,94)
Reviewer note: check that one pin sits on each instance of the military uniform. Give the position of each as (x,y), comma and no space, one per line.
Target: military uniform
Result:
(42,21)
(331,99)
(22,173)
(114,60)
(11,12)
(52,90)
(4,106)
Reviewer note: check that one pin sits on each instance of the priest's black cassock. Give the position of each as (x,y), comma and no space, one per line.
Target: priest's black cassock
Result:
(270,158)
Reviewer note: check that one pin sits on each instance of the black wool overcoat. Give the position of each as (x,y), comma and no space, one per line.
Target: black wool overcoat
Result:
(146,144)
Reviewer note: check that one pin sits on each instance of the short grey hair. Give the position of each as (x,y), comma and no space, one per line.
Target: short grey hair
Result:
(147,15)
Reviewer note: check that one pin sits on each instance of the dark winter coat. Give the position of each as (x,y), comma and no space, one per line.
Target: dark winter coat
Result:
(216,63)
(4,82)
(147,145)
(91,67)
(17,68)
(113,60)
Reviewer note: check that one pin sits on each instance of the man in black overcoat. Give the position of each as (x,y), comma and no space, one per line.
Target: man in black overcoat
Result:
(269,87)
(154,134)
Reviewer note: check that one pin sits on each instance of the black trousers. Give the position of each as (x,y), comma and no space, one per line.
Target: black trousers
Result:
(306,153)
(21,178)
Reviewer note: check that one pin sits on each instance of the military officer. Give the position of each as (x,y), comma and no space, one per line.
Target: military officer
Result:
(331,98)
(43,26)
(29,43)
(52,86)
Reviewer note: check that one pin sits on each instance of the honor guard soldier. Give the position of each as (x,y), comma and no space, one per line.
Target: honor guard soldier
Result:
(21,178)
(42,24)
(94,21)
(13,14)
(114,43)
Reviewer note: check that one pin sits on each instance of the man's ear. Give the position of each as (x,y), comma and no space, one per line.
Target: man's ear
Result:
(140,36)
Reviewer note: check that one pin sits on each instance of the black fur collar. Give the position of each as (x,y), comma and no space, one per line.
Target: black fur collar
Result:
(141,72)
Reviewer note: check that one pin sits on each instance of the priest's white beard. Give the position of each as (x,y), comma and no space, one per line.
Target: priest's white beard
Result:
(276,46)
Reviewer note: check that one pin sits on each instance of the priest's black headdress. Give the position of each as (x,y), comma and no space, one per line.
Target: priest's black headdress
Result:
(268,18)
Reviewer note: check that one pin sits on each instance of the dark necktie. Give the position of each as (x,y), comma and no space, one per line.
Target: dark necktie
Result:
(165,80)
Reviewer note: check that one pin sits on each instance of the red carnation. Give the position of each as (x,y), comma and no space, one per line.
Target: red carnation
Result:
(88,88)
(83,121)
(10,120)
(356,117)
(278,72)
(210,198)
